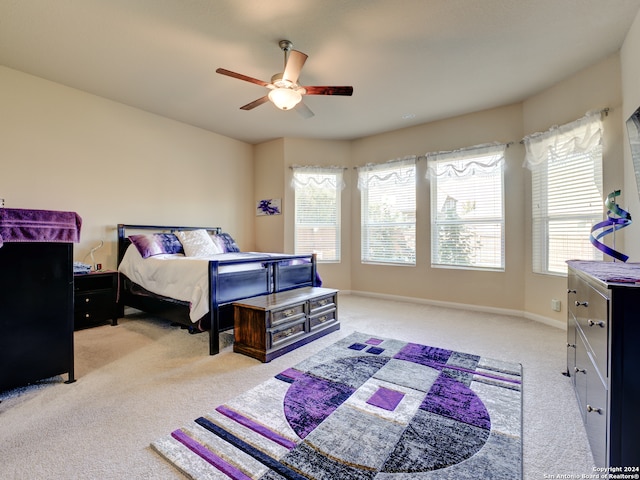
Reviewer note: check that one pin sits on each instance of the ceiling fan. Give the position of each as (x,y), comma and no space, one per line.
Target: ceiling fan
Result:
(284,90)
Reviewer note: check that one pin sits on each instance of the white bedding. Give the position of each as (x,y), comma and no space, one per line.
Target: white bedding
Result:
(179,277)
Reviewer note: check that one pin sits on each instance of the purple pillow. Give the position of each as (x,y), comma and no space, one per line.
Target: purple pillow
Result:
(226,242)
(156,244)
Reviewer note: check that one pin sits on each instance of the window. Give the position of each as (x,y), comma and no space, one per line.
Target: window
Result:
(567,200)
(388,212)
(467,208)
(317,211)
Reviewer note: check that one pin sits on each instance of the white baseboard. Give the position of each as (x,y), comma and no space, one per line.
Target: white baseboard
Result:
(462,306)
(546,320)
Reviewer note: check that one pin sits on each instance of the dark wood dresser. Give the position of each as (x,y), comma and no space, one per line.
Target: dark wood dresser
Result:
(36,312)
(268,326)
(603,357)
(36,295)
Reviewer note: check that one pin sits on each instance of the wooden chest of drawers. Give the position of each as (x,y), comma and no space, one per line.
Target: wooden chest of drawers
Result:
(603,361)
(268,326)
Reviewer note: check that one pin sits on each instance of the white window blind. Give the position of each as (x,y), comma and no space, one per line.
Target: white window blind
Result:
(388,212)
(467,208)
(567,199)
(317,211)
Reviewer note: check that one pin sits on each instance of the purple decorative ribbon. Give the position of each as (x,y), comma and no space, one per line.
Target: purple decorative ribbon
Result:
(610,225)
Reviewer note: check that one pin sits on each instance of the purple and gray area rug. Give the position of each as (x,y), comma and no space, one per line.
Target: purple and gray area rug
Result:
(365,407)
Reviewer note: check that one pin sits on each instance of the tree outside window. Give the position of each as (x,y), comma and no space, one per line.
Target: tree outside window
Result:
(467,208)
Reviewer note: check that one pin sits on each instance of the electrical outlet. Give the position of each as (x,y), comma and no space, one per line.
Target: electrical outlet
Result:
(555,305)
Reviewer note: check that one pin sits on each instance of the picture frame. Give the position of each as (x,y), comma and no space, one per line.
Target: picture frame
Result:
(269,206)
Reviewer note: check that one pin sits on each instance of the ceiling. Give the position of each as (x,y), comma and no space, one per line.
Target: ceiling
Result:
(409,61)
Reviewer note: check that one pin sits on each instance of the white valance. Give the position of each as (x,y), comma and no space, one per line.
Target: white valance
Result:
(320,177)
(391,171)
(487,158)
(575,137)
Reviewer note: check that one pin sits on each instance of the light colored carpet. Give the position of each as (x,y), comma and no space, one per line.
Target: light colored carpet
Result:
(140,379)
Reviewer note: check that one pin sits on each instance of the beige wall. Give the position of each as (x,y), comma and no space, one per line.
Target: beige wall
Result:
(493,290)
(269,172)
(594,88)
(517,289)
(630,66)
(63,149)
(322,153)
(276,233)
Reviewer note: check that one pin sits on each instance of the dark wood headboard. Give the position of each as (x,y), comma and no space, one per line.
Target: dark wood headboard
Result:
(123,236)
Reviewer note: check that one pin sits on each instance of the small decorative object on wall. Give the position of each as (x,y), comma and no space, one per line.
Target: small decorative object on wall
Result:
(271,206)
(610,225)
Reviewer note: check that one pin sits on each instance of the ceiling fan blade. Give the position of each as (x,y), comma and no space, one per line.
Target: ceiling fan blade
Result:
(303,110)
(239,76)
(255,103)
(329,90)
(294,65)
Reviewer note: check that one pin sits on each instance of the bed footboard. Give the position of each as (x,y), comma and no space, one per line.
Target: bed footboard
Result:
(275,273)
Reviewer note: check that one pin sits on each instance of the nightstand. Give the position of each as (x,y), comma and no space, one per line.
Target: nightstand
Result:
(95,299)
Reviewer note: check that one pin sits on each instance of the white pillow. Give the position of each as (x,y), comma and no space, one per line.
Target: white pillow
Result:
(197,243)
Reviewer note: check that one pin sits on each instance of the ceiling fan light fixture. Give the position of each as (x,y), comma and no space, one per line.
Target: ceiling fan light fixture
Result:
(285,98)
(284,90)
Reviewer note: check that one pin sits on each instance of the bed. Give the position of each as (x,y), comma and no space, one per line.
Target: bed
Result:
(204,301)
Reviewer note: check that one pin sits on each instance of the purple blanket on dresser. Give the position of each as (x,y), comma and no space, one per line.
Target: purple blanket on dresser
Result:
(613,272)
(21,225)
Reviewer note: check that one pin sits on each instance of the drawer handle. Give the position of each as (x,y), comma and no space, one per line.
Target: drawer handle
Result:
(288,333)
(323,319)
(580,370)
(582,304)
(323,302)
(87,300)
(571,291)
(571,345)
(591,409)
(593,324)
(288,313)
